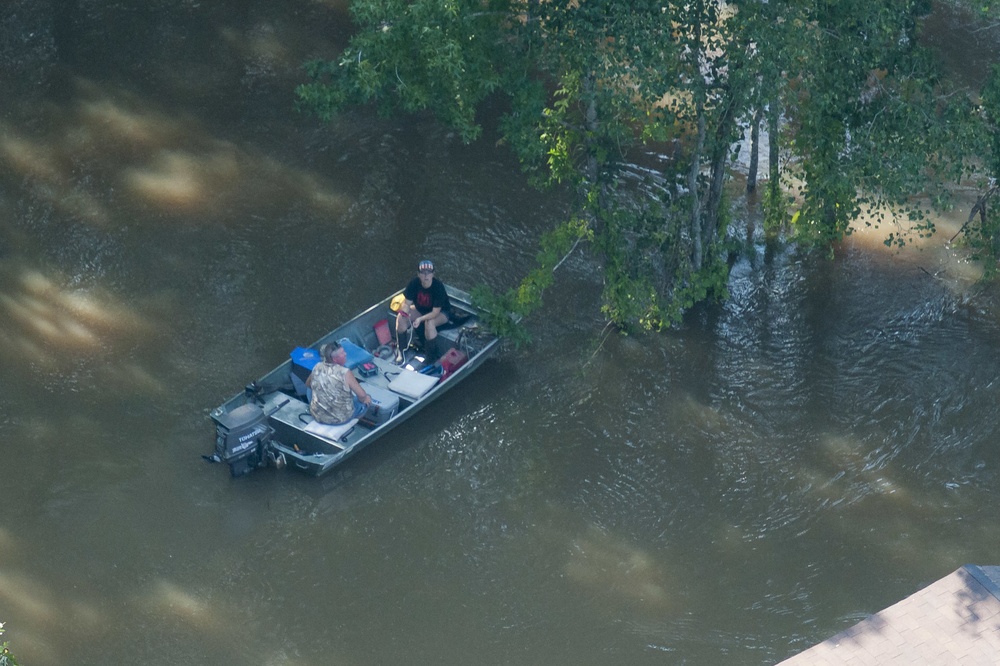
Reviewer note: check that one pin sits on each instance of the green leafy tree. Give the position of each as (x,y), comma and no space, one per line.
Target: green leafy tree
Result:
(982,228)
(857,103)
(628,75)
(413,56)
(870,123)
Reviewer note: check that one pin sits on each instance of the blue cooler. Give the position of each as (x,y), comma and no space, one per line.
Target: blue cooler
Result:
(355,355)
(304,359)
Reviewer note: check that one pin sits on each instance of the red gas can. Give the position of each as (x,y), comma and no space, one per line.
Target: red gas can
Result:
(452,361)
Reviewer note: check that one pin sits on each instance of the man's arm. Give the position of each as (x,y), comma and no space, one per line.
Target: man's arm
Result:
(352,383)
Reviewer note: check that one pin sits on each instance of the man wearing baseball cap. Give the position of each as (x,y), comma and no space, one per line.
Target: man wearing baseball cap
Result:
(426,305)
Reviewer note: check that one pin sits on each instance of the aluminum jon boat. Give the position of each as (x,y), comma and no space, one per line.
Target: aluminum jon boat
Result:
(269,424)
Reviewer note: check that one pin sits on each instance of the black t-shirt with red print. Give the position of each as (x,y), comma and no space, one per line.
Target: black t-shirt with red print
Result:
(427,299)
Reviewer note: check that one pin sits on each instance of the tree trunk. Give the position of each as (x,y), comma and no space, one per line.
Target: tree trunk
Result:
(773,168)
(724,135)
(592,167)
(696,238)
(695,46)
(754,150)
(592,127)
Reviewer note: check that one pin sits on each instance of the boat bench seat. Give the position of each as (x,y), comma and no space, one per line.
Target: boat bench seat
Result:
(335,434)
(412,385)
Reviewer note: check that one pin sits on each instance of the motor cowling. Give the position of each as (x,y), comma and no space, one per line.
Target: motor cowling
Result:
(242,438)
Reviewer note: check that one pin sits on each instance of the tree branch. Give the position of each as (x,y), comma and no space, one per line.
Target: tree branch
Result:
(980,208)
(566,256)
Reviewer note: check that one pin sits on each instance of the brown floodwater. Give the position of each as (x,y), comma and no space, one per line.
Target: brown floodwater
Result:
(730,492)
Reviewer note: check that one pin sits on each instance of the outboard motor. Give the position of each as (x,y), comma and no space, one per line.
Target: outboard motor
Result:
(242,438)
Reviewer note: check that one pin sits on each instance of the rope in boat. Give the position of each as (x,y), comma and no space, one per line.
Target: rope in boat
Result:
(400,355)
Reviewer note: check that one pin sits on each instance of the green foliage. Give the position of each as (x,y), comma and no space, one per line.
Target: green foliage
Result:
(414,55)
(633,249)
(982,231)
(988,9)
(709,283)
(504,313)
(650,279)
(990,96)
(866,121)
(870,122)
(775,205)
(6,657)
(632,301)
(974,130)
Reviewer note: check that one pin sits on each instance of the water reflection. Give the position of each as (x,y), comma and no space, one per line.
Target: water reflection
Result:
(142,156)
(618,571)
(38,608)
(49,323)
